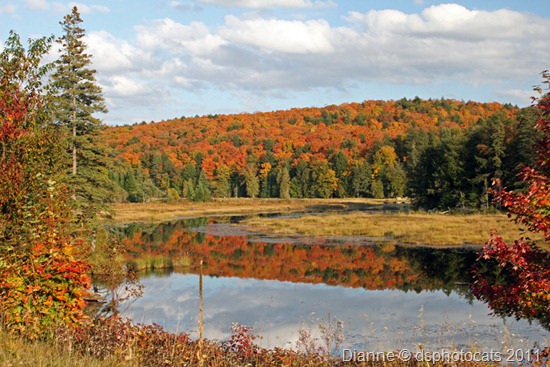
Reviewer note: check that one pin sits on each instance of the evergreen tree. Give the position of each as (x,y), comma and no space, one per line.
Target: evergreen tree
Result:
(361,179)
(202,191)
(252,182)
(324,180)
(222,184)
(485,151)
(520,149)
(340,165)
(397,181)
(78,92)
(77,98)
(437,180)
(283,179)
(300,182)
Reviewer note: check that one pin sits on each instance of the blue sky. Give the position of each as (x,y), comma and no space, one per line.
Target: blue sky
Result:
(159,59)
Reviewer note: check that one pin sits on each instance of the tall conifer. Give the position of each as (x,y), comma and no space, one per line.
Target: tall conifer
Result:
(77,97)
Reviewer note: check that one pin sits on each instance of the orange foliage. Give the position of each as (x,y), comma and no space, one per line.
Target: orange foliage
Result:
(230,139)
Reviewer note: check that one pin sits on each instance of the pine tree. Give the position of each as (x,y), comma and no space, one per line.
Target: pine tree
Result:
(283,179)
(77,98)
(252,182)
(78,92)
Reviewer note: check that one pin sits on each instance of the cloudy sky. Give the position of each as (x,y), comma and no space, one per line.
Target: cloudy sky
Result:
(159,59)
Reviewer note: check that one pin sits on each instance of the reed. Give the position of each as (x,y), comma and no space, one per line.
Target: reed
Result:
(17,351)
(159,211)
(407,228)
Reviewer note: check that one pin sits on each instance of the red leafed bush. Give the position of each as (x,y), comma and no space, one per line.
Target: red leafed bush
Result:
(514,280)
(42,276)
(149,344)
(519,281)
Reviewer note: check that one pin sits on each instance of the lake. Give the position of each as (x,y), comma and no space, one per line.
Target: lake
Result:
(375,297)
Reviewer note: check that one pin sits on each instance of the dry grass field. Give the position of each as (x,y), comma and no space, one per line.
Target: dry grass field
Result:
(320,219)
(159,211)
(409,228)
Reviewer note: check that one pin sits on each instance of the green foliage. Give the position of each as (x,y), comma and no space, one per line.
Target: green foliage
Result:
(222,182)
(283,180)
(202,191)
(324,180)
(361,179)
(173,194)
(438,178)
(77,98)
(251,181)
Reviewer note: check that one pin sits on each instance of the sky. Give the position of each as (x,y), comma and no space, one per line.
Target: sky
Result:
(161,59)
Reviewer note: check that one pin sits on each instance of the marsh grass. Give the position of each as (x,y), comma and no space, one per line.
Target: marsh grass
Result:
(159,211)
(407,228)
(17,351)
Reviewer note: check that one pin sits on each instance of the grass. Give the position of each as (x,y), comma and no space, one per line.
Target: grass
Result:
(17,351)
(414,228)
(159,211)
(408,228)
(118,344)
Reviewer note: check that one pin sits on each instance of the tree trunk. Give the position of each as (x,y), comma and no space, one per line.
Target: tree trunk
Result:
(74,136)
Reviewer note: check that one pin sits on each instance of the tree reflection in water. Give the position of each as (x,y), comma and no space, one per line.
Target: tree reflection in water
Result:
(244,274)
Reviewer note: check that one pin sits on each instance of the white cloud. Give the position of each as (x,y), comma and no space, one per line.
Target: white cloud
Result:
(260,4)
(451,40)
(255,57)
(194,38)
(274,35)
(450,21)
(113,55)
(121,86)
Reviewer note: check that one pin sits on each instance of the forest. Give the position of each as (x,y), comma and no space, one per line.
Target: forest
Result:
(441,153)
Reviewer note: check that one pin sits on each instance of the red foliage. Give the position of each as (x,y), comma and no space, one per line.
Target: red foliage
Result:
(514,280)
(42,281)
(520,285)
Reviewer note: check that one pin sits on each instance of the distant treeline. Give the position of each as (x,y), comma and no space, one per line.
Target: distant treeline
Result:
(441,153)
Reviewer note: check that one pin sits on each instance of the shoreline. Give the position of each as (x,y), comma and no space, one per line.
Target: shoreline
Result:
(386,220)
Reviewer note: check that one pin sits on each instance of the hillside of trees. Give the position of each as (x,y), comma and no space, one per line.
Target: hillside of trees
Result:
(442,153)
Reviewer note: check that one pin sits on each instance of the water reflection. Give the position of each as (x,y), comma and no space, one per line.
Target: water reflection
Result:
(229,251)
(373,320)
(388,296)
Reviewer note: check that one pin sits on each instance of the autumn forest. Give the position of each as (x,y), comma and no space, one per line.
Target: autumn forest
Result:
(442,153)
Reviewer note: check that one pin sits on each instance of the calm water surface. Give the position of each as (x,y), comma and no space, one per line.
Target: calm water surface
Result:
(385,296)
